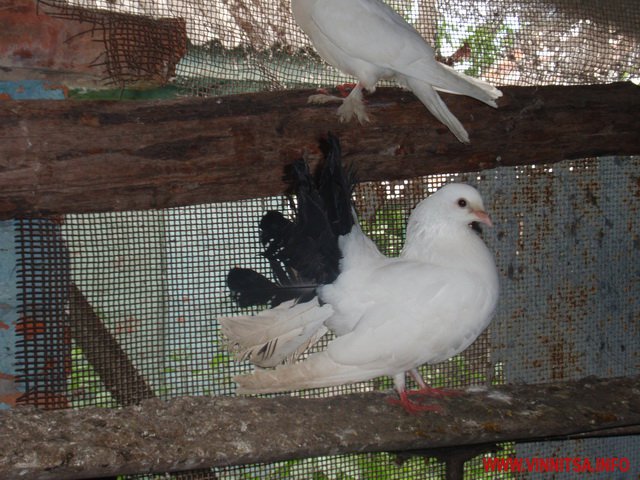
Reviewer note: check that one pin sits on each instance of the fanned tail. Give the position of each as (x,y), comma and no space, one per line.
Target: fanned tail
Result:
(336,186)
(303,253)
(249,287)
(278,335)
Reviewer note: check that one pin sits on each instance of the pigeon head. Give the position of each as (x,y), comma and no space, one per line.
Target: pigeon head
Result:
(462,202)
(455,203)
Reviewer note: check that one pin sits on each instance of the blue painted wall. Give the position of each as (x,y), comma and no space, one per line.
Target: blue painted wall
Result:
(9,390)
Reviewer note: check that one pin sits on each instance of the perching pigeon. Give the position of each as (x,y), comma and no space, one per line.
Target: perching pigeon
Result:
(390,315)
(368,40)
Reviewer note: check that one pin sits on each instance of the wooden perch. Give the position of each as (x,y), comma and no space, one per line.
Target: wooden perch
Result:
(63,157)
(203,432)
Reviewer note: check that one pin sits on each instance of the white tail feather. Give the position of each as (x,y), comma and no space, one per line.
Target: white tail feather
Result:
(278,335)
(317,371)
(446,79)
(430,98)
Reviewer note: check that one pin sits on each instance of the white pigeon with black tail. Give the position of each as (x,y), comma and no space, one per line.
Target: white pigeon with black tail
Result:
(390,315)
(368,40)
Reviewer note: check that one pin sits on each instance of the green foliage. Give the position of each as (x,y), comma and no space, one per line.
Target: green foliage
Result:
(84,384)
(222,359)
(387,228)
(486,43)
(383,466)
(443,35)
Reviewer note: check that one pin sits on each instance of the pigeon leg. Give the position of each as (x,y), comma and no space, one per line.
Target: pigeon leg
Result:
(427,391)
(411,406)
(353,106)
(405,402)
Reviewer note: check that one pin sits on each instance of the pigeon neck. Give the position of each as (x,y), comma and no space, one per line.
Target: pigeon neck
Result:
(453,246)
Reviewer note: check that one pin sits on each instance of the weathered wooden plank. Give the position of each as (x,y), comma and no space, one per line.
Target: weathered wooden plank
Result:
(61,157)
(203,432)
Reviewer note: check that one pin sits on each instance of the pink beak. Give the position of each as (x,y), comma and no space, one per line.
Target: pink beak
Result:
(483,217)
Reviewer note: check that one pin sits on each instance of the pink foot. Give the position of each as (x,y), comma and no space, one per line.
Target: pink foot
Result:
(411,407)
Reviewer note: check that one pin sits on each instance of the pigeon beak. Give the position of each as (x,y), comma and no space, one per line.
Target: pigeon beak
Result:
(482,217)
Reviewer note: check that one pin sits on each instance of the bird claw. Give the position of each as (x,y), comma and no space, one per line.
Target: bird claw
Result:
(353,106)
(350,108)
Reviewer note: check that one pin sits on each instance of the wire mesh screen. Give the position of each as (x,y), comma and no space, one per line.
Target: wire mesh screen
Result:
(43,352)
(118,307)
(215,47)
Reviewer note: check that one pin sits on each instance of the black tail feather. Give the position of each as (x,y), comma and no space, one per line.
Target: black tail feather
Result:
(336,186)
(248,288)
(303,252)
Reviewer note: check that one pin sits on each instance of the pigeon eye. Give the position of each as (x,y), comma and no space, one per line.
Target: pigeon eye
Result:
(462,203)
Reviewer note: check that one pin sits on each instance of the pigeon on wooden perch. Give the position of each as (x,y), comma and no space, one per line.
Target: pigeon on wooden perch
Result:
(389,315)
(368,40)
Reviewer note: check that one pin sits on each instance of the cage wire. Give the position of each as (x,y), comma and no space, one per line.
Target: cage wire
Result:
(117,307)
(219,47)
(565,241)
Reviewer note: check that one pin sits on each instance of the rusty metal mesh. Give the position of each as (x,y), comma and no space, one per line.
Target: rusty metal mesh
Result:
(218,47)
(118,307)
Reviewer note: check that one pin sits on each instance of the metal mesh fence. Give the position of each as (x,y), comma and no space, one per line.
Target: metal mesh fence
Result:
(133,297)
(119,307)
(215,47)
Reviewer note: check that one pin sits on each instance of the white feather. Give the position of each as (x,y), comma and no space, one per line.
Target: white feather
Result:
(278,335)
(318,370)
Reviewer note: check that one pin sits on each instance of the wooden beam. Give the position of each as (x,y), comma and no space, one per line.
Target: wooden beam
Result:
(203,432)
(61,157)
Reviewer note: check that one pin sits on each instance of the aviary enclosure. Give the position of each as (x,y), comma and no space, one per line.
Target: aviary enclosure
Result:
(125,205)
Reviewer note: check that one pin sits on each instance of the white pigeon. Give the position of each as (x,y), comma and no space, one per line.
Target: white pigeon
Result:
(390,315)
(368,40)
